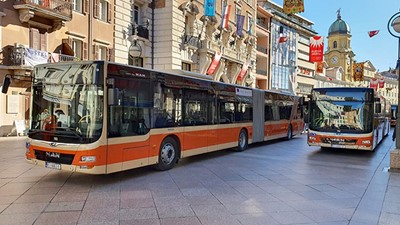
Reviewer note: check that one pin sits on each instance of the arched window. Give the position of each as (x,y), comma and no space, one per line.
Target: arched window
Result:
(334,44)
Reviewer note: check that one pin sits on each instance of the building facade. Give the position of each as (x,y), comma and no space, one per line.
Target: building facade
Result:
(263,30)
(290,46)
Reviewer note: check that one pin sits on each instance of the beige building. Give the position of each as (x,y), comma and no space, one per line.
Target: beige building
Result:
(186,40)
(263,30)
(34,32)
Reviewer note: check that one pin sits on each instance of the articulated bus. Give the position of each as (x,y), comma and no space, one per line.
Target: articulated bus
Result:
(393,115)
(348,117)
(101,117)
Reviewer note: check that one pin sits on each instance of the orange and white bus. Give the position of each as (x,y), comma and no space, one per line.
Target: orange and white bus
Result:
(348,117)
(102,117)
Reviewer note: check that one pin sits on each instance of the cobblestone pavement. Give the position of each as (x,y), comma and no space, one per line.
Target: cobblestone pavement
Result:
(280,182)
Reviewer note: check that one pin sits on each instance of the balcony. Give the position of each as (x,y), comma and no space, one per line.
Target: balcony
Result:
(20,57)
(263,50)
(262,24)
(141,31)
(49,15)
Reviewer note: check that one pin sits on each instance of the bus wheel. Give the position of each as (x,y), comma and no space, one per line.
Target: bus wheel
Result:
(168,154)
(289,133)
(242,141)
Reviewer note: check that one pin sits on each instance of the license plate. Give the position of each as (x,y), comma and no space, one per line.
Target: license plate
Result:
(51,165)
(337,146)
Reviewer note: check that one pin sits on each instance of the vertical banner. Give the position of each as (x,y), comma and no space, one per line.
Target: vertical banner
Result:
(358,71)
(243,71)
(319,67)
(316,49)
(239,25)
(214,63)
(209,7)
(293,6)
(250,31)
(225,15)
(381,82)
(373,83)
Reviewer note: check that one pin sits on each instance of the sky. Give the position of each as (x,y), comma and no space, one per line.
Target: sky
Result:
(362,16)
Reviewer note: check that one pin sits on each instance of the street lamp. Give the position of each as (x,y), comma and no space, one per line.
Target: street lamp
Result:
(394,23)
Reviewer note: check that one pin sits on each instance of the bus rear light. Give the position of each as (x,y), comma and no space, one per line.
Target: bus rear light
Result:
(366,142)
(88,159)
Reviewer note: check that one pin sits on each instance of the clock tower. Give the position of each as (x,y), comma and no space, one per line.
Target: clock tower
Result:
(339,52)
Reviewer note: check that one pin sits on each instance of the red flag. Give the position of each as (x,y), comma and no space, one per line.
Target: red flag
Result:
(282,39)
(381,82)
(214,63)
(373,33)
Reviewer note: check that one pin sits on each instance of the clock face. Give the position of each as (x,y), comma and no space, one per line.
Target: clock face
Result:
(334,60)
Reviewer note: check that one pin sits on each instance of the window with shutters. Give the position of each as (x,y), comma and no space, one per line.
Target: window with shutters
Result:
(77,46)
(77,5)
(103,9)
(37,40)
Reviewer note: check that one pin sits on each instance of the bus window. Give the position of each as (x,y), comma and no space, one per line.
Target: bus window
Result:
(197,105)
(167,107)
(244,109)
(226,109)
(130,115)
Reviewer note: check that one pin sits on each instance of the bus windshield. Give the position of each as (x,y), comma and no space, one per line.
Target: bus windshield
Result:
(67,104)
(344,112)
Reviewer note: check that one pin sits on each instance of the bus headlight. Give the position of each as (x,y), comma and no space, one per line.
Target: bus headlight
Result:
(27,146)
(312,138)
(366,142)
(88,159)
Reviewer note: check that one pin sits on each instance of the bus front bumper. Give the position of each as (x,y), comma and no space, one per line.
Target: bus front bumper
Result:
(65,167)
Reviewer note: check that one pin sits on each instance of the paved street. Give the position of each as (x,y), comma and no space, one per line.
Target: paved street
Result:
(283,182)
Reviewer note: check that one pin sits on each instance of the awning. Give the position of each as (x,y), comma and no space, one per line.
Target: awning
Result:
(67,49)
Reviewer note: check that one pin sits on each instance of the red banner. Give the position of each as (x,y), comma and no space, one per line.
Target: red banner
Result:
(214,63)
(317,49)
(373,83)
(243,71)
(381,82)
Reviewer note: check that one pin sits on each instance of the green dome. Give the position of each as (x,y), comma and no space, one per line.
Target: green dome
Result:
(339,27)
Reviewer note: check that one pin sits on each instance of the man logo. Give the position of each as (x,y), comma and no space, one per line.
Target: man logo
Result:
(53,154)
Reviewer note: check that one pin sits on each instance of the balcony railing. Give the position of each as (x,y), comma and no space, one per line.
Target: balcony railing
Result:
(140,31)
(57,6)
(262,24)
(263,50)
(18,55)
(191,40)
(261,72)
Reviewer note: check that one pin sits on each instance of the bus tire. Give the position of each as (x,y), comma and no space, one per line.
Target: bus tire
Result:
(243,141)
(289,133)
(168,155)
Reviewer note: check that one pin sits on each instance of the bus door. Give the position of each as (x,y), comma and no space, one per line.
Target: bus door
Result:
(128,124)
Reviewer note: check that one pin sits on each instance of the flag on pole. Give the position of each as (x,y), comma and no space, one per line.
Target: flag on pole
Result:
(209,8)
(381,82)
(225,15)
(239,25)
(282,39)
(250,31)
(373,33)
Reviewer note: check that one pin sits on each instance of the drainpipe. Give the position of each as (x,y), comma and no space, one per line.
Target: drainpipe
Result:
(152,34)
(90,45)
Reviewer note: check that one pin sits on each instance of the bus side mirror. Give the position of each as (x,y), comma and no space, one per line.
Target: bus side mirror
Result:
(6,84)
